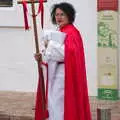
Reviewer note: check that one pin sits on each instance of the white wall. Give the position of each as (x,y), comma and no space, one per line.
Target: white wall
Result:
(17,66)
(18,69)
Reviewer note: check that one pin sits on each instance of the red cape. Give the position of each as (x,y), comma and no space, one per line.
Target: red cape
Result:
(76,104)
(76,101)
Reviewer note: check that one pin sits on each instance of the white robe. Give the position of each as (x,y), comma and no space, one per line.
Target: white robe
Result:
(52,55)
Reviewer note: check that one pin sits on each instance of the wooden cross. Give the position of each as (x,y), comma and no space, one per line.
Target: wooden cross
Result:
(41,85)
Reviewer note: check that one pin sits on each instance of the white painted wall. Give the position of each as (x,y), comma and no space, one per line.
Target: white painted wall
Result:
(18,69)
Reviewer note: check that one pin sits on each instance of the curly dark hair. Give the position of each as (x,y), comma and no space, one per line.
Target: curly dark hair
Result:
(67,8)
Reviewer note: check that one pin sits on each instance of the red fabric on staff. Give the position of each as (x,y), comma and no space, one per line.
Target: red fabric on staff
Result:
(25,14)
(76,101)
(40,114)
(41,9)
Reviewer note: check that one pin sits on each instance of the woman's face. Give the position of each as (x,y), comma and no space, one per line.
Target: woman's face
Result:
(61,18)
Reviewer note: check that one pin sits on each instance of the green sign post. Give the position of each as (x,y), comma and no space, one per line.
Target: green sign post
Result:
(108,50)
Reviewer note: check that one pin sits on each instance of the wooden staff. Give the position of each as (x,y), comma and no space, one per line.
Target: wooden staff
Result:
(41,79)
(41,85)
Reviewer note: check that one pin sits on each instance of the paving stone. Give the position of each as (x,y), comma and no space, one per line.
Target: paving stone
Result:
(19,106)
(16,105)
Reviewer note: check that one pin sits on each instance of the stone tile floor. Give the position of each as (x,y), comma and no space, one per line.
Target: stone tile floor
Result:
(19,106)
(16,105)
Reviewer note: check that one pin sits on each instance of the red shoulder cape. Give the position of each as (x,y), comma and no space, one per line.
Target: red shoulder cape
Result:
(76,104)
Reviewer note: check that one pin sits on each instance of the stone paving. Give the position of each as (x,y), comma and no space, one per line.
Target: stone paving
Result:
(16,106)
(19,106)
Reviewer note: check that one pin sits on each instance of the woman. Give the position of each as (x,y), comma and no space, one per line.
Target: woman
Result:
(67,91)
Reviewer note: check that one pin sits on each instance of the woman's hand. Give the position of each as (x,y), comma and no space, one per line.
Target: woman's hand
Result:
(38,56)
